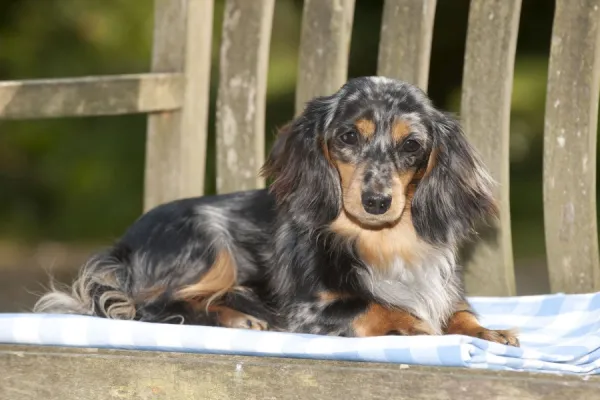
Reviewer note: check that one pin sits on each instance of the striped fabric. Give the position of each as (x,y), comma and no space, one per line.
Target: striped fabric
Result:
(559,334)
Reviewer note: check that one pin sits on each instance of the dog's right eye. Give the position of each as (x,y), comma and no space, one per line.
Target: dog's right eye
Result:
(350,138)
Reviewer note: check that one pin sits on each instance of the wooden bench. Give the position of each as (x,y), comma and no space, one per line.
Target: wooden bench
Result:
(175,97)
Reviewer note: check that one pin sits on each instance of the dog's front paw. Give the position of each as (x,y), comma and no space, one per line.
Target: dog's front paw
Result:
(507,337)
(382,321)
(417,329)
(230,318)
(244,321)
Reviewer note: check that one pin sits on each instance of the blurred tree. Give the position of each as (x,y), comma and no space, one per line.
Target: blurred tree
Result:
(71,178)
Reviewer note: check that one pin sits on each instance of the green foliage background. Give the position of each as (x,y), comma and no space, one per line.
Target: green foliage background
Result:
(80,180)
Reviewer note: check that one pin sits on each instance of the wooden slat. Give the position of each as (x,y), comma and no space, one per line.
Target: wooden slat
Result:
(94,95)
(242,94)
(486,98)
(176,141)
(324,48)
(570,148)
(89,374)
(405,43)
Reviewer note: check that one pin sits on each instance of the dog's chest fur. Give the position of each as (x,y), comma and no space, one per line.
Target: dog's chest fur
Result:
(427,288)
(405,272)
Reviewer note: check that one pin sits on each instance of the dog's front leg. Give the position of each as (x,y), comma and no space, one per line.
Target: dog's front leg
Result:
(464,322)
(343,315)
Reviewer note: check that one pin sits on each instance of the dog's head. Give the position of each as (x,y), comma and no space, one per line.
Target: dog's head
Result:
(373,150)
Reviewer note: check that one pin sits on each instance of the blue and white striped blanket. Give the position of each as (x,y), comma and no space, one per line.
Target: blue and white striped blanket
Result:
(559,333)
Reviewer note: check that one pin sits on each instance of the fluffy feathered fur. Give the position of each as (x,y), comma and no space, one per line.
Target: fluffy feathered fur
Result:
(373,191)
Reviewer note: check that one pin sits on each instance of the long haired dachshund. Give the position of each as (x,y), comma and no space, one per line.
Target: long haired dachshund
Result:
(373,190)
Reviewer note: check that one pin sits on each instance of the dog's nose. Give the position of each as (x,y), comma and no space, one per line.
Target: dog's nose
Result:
(375,203)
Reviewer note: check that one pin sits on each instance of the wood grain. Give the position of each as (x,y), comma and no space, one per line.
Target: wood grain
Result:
(570,131)
(93,95)
(90,374)
(176,140)
(405,42)
(324,48)
(485,108)
(242,94)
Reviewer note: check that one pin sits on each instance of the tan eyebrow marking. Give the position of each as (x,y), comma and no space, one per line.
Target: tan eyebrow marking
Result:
(400,130)
(365,127)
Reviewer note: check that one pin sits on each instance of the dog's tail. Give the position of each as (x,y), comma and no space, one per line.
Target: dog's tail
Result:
(98,290)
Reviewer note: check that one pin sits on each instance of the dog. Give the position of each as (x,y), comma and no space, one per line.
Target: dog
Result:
(373,190)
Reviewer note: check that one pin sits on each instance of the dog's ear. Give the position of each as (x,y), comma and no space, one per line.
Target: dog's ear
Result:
(455,193)
(299,165)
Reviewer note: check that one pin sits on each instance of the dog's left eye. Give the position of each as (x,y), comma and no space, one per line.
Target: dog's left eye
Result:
(350,138)
(411,146)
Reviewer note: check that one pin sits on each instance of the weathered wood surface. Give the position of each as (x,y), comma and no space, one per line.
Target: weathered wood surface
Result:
(485,108)
(242,94)
(94,95)
(405,42)
(570,131)
(88,374)
(324,48)
(176,140)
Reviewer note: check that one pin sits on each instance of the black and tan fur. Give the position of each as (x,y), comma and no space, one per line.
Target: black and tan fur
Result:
(373,191)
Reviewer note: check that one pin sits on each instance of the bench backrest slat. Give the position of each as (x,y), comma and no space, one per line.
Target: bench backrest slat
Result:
(176,140)
(570,131)
(405,41)
(485,115)
(324,48)
(241,99)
